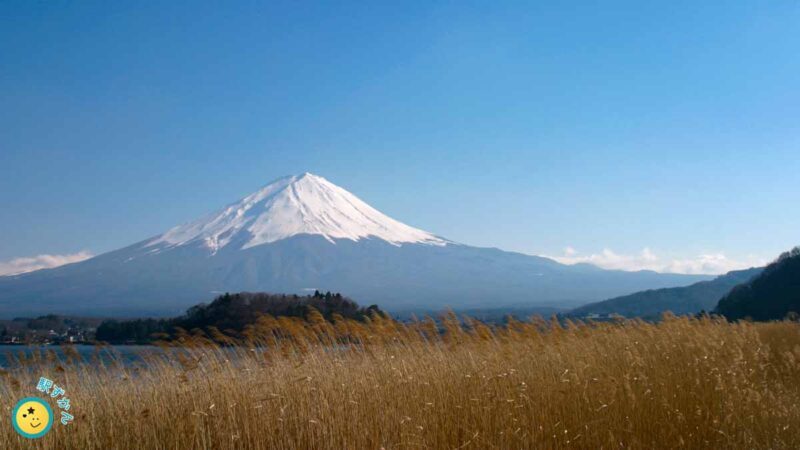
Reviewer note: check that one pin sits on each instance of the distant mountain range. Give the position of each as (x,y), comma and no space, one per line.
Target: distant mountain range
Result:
(302,233)
(700,296)
(770,296)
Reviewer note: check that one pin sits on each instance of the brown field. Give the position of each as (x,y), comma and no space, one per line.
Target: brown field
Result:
(682,383)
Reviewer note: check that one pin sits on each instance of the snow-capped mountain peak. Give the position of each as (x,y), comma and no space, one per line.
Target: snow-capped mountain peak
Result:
(300,204)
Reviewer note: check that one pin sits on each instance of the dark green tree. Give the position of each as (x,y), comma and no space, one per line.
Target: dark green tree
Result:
(770,296)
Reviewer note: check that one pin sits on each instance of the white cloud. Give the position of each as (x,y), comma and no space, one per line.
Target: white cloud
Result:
(708,263)
(29,264)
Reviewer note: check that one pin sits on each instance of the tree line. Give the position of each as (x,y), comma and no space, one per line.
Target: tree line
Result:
(231,313)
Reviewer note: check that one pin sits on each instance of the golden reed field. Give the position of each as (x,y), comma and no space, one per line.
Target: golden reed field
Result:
(681,383)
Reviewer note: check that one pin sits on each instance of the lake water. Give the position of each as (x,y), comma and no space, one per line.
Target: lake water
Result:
(127,354)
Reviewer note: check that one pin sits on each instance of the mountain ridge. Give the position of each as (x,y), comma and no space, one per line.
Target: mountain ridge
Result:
(690,299)
(291,241)
(288,206)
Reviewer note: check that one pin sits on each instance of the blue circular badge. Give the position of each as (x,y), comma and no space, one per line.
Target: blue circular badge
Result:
(32,417)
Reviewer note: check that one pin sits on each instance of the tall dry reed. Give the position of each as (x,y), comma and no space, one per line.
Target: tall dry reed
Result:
(680,383)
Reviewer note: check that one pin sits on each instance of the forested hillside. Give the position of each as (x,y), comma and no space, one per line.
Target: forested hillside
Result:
(772,295)
(701,296)
(231,313)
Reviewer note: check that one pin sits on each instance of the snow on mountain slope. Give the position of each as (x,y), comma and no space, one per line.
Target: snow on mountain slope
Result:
(301,204)
(279,240)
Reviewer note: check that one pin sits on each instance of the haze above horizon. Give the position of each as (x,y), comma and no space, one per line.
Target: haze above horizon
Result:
(633,137)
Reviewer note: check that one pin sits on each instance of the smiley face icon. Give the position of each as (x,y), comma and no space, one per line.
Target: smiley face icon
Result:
(32,417)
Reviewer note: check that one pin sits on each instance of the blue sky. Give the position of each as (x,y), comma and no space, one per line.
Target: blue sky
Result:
(634,135)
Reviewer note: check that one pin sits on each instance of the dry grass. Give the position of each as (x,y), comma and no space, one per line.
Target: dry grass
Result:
(682,383)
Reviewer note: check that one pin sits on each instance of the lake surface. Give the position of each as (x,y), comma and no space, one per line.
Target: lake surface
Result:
(127,354)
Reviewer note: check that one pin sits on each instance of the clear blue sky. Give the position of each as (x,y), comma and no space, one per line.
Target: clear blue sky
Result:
(529,127)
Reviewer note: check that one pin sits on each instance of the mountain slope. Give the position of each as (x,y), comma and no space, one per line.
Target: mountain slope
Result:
(700,296)
(303,204)
(770,296)
(303,233)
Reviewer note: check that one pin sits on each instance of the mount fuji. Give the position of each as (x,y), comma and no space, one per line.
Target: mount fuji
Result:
(303,233)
